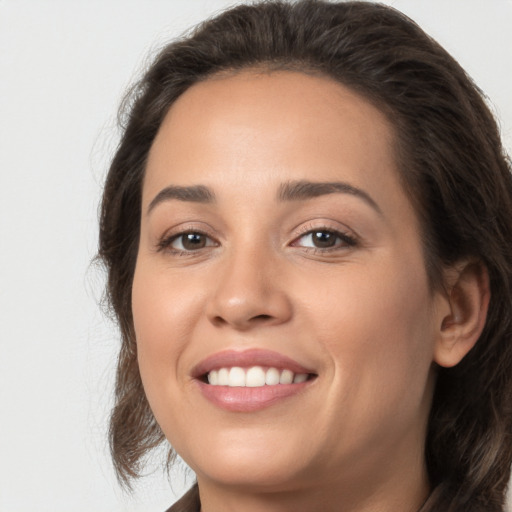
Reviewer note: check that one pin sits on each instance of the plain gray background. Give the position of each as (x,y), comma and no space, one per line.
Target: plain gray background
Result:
(64,66)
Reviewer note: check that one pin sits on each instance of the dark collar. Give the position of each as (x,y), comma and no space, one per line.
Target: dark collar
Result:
(189,502)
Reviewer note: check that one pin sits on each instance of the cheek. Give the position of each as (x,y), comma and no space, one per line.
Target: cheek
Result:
(164,308)
(376,324)
(378,336)
(164,316)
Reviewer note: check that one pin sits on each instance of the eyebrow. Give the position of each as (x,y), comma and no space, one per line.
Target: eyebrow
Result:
(289,191)
(301,190)
(193,194)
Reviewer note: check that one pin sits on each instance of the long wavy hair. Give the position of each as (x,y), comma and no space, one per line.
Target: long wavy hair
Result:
(452,166)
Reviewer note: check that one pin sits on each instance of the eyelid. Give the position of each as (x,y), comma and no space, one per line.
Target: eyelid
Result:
(347,240)
(348,237)
(208,241)
(324,225)
(164,242)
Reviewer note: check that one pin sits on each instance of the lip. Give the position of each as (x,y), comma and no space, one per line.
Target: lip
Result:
(246,359)
(247,399)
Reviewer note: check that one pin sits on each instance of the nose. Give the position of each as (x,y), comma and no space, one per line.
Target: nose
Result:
(249,292)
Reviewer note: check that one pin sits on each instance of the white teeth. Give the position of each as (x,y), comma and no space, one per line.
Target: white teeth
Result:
(213,377)
(254,377)
(286,377)
(272,377)
(300,377)
(223,379)
(236,377)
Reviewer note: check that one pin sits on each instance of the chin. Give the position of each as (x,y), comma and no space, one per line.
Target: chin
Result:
(249,460)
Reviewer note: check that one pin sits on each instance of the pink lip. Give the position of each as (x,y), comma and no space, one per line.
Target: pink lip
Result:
(249,399)
(246,359)
(246,399)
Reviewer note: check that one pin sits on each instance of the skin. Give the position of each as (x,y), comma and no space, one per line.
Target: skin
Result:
(362,314)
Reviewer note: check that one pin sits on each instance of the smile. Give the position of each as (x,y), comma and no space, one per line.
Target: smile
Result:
(254,377)
(250,380)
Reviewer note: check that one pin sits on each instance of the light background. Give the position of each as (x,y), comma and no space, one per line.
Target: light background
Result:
(63,68)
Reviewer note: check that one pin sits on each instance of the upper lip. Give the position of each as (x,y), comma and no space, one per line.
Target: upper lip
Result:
(247,358)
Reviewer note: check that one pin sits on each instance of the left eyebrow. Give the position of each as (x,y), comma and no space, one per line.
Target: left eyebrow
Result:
(301,190)
(193,194)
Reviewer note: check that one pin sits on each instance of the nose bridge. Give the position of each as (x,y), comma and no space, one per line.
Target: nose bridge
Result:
(249,291)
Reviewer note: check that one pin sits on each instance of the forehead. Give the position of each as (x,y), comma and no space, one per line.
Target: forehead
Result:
(272,126)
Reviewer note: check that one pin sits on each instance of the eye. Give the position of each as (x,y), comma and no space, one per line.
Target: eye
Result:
(324,239)
(187,242)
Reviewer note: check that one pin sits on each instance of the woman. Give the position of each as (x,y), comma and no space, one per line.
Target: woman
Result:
(307,230)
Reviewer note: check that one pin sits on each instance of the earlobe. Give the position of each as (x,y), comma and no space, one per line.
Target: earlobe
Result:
(468,295)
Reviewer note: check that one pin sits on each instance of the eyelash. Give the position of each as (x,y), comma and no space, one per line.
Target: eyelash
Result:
(165,244)
(347,241)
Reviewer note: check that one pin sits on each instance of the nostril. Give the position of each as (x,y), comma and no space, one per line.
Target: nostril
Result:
(261,317)
(218,320)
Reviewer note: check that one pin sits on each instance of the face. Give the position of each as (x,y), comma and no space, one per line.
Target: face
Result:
(284,322)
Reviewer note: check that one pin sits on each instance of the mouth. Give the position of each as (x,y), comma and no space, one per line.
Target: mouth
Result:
(253,377)
(250,380)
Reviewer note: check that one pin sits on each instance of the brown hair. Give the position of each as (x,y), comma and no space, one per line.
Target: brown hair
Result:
(452,164)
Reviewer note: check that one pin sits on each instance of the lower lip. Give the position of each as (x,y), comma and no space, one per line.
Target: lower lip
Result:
(247,399)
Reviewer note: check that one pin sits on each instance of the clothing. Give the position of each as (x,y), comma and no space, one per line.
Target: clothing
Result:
(189,502)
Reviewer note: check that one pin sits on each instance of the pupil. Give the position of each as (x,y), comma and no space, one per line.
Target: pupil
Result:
(193,241)
(324,239)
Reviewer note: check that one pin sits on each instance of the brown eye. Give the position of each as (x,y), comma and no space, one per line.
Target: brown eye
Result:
(325,239)
(191,242)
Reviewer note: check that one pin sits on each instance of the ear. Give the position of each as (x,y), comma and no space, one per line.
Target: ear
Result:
(463,319)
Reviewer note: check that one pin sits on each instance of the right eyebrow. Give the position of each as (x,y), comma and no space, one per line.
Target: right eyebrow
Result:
(194,194)
(302,190)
